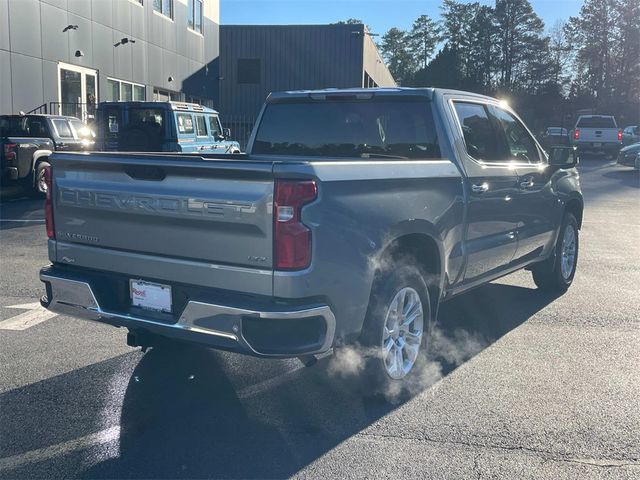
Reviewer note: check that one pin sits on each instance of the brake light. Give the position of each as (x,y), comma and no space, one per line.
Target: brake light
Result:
(619,135)
(9,151)
(292,238)
(576,134)
(48,204)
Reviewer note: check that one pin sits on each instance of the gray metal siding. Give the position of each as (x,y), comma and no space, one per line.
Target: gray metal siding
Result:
(292,58)
(374,65)
(32,43)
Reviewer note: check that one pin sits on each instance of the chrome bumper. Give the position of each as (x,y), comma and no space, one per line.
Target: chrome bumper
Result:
(76,298)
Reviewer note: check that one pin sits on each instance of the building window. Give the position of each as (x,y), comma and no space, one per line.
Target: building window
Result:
(121,91)
(194,15)
(164,7)
(160,95)
(368,81)
(249,70)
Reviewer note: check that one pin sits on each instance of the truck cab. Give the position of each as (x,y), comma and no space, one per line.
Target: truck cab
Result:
(161,127)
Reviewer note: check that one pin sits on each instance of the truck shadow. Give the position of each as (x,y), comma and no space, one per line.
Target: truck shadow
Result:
(183,418)
(196,413)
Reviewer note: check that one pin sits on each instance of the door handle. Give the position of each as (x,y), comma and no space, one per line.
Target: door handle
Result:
(527,184)
(479,187)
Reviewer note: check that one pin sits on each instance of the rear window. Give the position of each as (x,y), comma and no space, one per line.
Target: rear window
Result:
(596,122)
(146,117)
(12,126)
(401,127)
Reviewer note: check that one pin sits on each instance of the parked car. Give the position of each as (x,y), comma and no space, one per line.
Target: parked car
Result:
(354,214)
(630,156)
(161,127)
(631,135)
(555,136)
(27,141)
(597,134)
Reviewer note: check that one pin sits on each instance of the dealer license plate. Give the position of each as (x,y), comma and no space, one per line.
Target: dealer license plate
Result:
(597,145)
(151,296)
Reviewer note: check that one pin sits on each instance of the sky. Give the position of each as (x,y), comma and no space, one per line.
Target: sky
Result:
(381,15)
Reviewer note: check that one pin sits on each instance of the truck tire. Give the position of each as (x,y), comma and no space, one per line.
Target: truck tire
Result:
(558,275)
(396,329)
(39,184)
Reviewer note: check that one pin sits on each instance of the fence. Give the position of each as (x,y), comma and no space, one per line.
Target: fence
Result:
(241,127)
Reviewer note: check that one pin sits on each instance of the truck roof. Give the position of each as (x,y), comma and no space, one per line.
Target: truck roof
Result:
(178,106)
(46,115)
(428,92)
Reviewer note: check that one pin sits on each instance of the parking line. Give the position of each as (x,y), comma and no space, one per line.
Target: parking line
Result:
(22,221)
(36,314)
(70,446)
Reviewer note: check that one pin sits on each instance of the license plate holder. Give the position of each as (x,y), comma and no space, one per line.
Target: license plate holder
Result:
(150,296)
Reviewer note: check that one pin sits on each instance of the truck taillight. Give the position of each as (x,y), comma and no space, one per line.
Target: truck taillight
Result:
(576,134)
(619,135)
(291,237)
(10,151)
(48,204)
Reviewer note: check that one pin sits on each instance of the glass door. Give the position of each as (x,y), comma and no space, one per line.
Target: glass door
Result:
(77,92)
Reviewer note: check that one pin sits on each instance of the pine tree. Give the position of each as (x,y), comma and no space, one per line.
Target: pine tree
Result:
(423,38)
(401,63)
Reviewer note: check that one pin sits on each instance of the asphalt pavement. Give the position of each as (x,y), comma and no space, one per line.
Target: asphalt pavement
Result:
(524,385)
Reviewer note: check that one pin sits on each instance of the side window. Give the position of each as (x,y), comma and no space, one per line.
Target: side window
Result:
(479,133)
(62,127)
(214,127)
(520,143)
(185,123)
(201,126)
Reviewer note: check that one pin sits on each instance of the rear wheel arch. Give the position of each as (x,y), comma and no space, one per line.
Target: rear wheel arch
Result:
(39,156)
(37,174)
(421,250)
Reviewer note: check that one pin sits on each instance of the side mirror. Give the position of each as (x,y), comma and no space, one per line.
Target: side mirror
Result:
(563,157)
(227,133)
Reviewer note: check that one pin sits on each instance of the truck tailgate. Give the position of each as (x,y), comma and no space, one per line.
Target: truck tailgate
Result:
(210,212)
(604,135)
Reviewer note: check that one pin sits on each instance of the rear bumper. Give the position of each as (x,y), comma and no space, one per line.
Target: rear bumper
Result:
(607,147)
(306,330)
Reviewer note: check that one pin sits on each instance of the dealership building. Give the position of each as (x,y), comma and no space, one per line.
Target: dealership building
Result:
(258,59)
(63,56)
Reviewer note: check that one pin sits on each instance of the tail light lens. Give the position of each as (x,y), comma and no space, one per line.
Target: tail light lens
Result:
(576,134)
(292,238)
(10,151)
(48,204)
(619,135)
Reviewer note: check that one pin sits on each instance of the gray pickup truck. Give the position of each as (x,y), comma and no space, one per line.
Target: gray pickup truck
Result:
(353,215)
